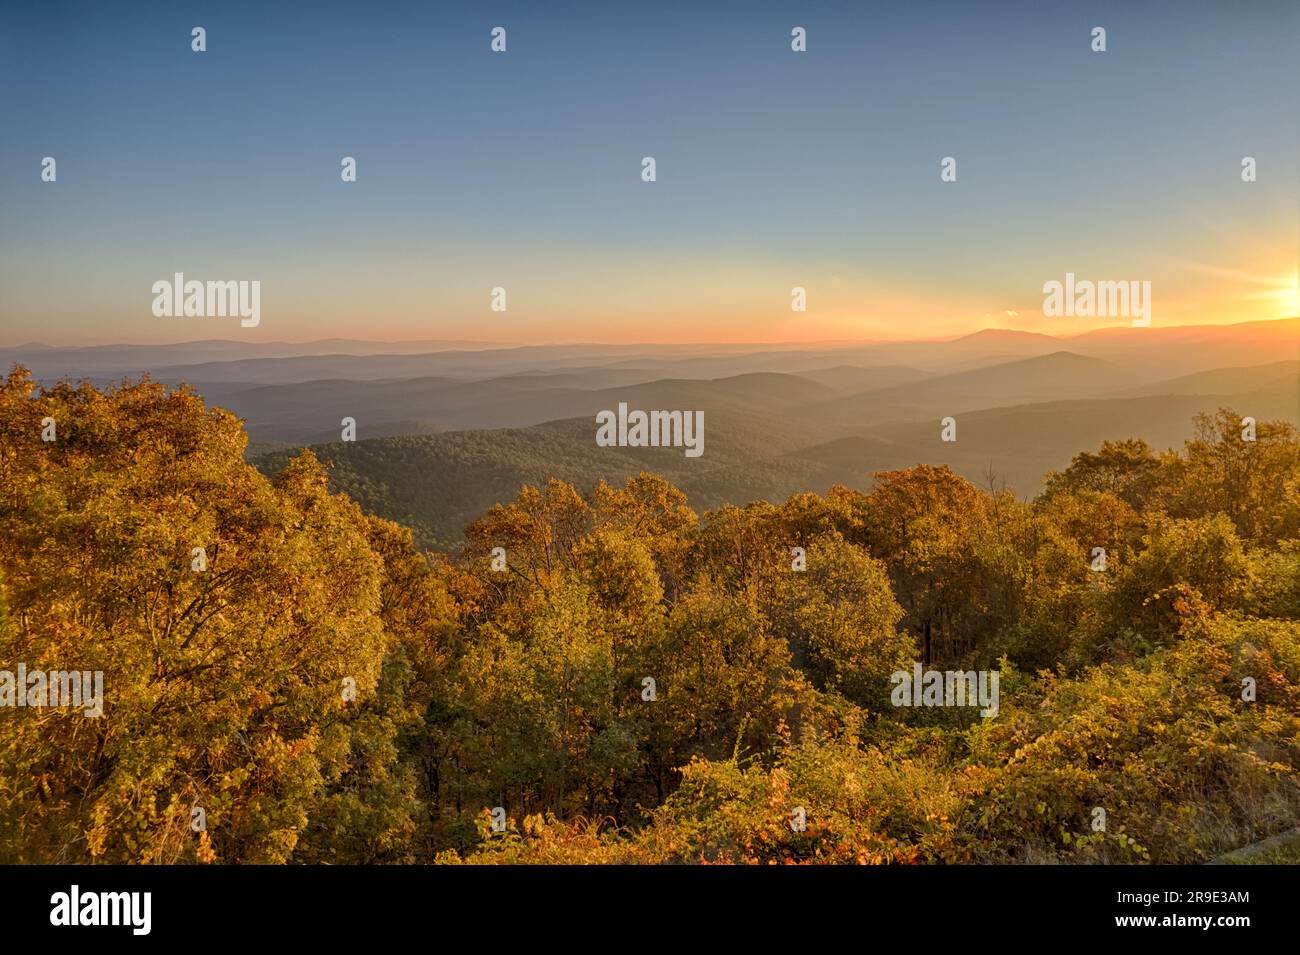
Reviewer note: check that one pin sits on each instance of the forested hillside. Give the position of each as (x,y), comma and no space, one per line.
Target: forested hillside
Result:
(436,483)
(326,691)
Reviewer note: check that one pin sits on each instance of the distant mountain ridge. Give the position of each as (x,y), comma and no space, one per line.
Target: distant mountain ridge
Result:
(445,433)
(435,482)
(94,359)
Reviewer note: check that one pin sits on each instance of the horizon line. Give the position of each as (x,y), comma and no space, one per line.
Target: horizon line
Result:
(485,344)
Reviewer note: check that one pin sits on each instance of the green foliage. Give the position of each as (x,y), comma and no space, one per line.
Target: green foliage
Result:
(638,682)
(1183,766)
(222,686)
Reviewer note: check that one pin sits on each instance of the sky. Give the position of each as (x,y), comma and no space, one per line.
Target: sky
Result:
(522,169)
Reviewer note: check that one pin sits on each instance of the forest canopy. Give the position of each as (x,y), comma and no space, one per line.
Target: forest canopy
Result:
(322,690)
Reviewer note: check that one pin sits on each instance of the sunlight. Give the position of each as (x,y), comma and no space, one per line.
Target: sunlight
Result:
(1289,296)
(1282,298)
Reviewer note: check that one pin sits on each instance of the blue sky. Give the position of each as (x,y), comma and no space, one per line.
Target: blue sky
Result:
(522,169)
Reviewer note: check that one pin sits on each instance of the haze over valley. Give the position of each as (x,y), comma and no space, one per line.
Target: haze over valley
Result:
(445,429)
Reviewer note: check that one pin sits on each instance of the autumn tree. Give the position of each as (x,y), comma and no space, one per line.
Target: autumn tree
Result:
(225,612)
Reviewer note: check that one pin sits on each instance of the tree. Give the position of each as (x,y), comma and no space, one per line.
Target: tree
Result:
(923,522)
(839,619)
(1127,469)
(222,684)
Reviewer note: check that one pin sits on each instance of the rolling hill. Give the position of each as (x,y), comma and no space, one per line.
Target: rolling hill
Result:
(435,483)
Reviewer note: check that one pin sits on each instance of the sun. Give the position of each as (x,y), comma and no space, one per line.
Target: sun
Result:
(1289,296)
(1282,297)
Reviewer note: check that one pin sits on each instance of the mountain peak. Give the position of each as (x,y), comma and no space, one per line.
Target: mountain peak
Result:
(1005,335)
